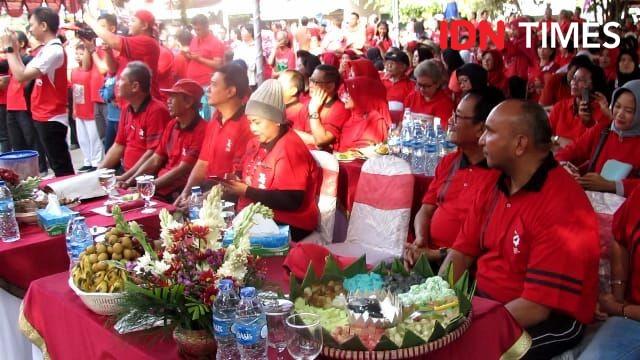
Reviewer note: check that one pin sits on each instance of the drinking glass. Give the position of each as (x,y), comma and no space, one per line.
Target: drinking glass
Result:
(107,179)
(276,318)
(146,188)
(304,336)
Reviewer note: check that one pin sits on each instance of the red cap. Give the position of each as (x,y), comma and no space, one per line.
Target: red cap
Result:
(187,87)
(146,16)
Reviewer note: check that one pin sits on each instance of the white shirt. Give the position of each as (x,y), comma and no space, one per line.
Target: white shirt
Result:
(249,54)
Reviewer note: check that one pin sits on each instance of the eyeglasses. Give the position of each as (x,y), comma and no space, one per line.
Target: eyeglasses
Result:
(457,117)
(319,82)
(424,86)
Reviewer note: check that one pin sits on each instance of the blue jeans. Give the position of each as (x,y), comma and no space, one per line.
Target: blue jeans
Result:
(110,134)
(618,338)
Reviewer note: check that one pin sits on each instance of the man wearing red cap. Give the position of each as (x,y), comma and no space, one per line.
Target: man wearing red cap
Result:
(181,141)
(141,124)
(141,45)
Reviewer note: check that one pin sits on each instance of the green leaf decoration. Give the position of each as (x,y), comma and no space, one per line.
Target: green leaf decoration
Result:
(462,284)
(354,344)
(328,340)
(309,278)
(381,269)
(294,288)
(465,302)
(423,268)
(136,231)
(332,270)
(385,344)
(397,267)
(358,267)
(449,275)
(454,323)
(438,332)
(411,339)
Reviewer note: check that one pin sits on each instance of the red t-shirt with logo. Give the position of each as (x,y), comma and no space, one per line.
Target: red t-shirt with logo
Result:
(400,90)
(209,47)
(225,144)
(332,117)
(453,189)
(285,59)
(440,105)
(146,49)
(142,130)
(179,145)
(287,166)
(81,89)
(541,243)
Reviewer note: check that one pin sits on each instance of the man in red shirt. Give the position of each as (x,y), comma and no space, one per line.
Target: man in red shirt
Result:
(533,233)
(326,113)
(398,84)
(181,141)
(282,58)
(458,177)
(205,53)
(141,45)
(292,83)
(227,133)
(48,70)
(141,124)
(429,97)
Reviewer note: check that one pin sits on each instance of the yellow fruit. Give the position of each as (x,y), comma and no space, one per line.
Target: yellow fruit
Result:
(113,239)
(103,256)
(110,249)
(93,258)
(95,268)
(117,248)
(126,243)
(116,256)
(100,248)
(102,265)
(90,250)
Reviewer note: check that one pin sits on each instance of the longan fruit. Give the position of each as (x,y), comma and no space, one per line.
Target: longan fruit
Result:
(117,248)
(103,256)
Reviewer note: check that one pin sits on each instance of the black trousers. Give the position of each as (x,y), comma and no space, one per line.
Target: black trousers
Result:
(23,135)
(5,144)
(54,138)
(554,336)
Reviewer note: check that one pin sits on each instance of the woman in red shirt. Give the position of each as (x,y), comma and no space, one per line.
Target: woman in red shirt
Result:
(278,169)
(603,143)
(370,118)
(493,63)
(556,86)
(382,40)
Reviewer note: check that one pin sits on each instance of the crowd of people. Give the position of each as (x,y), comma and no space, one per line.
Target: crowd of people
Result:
(534,127)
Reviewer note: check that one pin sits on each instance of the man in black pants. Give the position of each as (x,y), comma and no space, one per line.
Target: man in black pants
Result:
(49,96)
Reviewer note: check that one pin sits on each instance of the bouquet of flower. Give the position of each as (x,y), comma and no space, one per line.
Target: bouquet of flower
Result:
(178,282)
(20,189)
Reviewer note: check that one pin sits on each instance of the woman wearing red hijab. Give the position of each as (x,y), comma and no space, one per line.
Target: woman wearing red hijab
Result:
(330,58)
(493,63)
(362,67)
(370,118)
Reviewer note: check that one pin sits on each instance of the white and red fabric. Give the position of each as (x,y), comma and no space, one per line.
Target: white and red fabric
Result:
(379,220)
(327,200)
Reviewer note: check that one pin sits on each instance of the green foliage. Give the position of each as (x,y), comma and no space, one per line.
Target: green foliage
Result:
(24,189)
(136,231)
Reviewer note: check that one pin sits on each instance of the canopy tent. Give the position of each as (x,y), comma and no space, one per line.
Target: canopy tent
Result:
(17,8)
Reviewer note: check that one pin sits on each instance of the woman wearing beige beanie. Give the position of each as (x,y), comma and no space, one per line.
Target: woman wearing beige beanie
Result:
(278,169)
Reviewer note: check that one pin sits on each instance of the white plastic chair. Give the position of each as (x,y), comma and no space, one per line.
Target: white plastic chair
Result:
(379,220)
(327,200)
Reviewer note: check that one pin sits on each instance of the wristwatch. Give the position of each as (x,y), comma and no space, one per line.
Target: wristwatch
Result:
(314,116)
(8,49)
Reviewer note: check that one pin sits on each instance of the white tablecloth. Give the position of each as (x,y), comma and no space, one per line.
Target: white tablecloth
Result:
(13,345)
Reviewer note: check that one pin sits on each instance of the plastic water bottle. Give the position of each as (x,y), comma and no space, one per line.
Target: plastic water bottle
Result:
(419,159)
(250,326)
(393,140)
(406,136)
(9,231)
(195,203)
(440,141)
(224,314)
(431,156)
(79,239)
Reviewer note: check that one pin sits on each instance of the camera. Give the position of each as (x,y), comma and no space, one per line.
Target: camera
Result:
(86,33)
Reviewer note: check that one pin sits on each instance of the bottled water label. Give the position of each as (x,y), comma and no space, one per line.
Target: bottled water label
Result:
(222,327)
(6,206)
(250,334)
(194,213)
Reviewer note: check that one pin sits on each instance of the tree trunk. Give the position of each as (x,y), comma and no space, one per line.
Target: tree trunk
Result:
(257,31)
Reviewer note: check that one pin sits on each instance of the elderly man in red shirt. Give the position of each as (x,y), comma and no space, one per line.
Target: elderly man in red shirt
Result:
(181,141)
(141,45)
(398,84)
(205,53)
(227,133)
(141,124)
(533,234)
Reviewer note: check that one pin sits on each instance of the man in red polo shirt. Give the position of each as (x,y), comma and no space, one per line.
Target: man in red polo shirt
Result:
(430,97)
(458,176)
(181,141)
(141,45)
(326,113)
(398,84)
(228,131)
(533,233)
(205,53)
(141,123)
(48,70)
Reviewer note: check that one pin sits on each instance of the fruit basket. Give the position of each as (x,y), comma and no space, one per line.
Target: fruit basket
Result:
(99,303)
(390,314)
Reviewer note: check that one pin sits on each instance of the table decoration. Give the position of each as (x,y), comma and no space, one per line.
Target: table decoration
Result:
(387,312)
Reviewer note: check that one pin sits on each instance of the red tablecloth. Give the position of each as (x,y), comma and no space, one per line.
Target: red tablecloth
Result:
(71,331)
(36,254)
(348,182)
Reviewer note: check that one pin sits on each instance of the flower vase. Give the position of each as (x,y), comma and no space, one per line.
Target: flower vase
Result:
(195,344)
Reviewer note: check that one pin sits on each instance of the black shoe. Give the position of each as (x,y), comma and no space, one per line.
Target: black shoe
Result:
(86,168)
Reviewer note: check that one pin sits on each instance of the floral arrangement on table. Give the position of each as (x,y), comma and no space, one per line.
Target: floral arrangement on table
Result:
(177,283)
(20,189)
(385,310)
